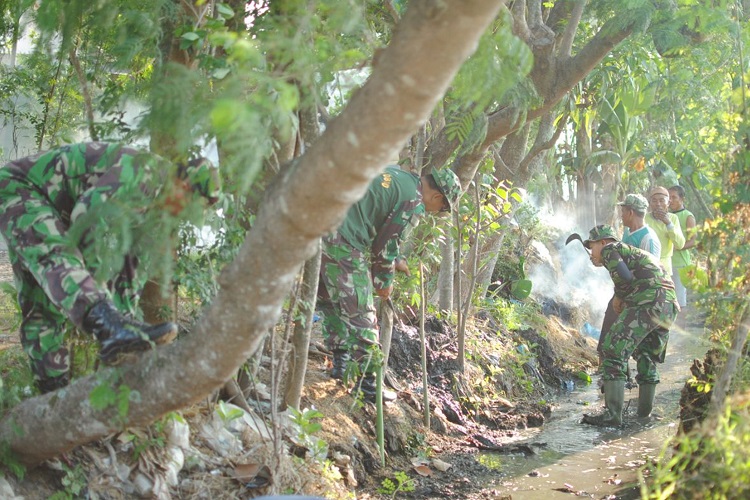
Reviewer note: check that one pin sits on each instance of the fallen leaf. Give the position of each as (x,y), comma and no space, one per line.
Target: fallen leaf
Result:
(440,465)
(423,470)
(245,472)
(261,480)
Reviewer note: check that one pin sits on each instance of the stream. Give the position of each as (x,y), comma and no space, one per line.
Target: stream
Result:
(585,460)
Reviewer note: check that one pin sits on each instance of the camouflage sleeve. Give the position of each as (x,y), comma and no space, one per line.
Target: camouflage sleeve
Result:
(385,247)
(613,262)
(130,178)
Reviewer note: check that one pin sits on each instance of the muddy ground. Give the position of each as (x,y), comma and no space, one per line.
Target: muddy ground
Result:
(464,420)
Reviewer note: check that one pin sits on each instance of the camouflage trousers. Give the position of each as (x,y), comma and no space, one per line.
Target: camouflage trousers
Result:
(345,299)
(53,282)
(641,332)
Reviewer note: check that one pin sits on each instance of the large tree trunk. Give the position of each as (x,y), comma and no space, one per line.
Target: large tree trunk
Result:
(307,201)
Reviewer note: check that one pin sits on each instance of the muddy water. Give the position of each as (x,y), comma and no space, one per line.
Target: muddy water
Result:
(576,458)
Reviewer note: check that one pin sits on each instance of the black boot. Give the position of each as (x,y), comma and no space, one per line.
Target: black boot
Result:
(368,387)
(45,385)
(341,359)
(117,334)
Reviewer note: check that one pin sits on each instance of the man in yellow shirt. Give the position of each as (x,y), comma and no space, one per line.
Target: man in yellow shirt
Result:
(666,226)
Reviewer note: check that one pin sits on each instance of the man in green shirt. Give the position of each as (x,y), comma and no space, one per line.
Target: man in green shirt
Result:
(362,255)
(681,258)
(665,225)
(646,305)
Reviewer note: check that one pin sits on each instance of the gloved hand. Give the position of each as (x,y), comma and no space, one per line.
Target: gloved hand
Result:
(402,266)
(618,305)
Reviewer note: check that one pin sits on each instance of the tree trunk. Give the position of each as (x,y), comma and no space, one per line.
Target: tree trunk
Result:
(721,389)
(307,201)
(302,330)
(156,306)
(444,293)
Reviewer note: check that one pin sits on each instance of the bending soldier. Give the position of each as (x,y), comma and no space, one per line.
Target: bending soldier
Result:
(638,234)
(41,197)
(362,255)
(646,304)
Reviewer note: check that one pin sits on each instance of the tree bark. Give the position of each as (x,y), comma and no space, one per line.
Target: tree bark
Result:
(446,274)
(308,199)
(721,389)
(309,132)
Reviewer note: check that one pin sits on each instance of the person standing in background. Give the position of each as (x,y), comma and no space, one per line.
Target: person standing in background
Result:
(681,257)
(665,225)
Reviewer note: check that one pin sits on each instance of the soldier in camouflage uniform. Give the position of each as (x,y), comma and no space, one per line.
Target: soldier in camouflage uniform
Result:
(41,197)
(646,305)
(361,257)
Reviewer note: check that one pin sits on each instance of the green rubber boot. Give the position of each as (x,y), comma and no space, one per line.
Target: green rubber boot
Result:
(646,394)
(614,397)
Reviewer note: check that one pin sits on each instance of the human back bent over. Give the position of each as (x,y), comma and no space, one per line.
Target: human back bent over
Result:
(41,198)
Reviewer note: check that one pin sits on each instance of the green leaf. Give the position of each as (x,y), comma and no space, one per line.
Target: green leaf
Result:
(102,397)
(224,11)
(521,289)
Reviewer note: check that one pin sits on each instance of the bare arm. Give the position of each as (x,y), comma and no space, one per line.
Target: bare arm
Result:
(689,233)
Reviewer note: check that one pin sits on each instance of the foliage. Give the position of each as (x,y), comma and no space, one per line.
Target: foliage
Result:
(17,378)
(513,315)
(228,413)
(110,393)
(401,483)
(9,302)
(713,462)
(306,425)
(74,482)
(8,459)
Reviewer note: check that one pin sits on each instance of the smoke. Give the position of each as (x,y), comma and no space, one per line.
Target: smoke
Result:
(565,275)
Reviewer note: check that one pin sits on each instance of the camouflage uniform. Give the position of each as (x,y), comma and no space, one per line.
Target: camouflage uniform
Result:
(366,244)
(41,196)
(642,329)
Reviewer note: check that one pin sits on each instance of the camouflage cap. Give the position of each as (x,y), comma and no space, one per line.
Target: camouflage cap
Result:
(636,202)
(449,185)
(601,232)
(203,178)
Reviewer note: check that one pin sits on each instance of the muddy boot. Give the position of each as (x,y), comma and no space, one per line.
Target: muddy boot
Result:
(341,359)
(614,397)
(117,334)
(45,385)
(646,394)
(368,387)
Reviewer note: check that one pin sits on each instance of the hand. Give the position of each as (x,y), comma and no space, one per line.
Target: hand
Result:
(618,305)
(661,216)
(402,266)
(384,293)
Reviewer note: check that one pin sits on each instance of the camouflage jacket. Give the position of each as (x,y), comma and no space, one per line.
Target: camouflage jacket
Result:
(650,281)
(78,176)
(380,221)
